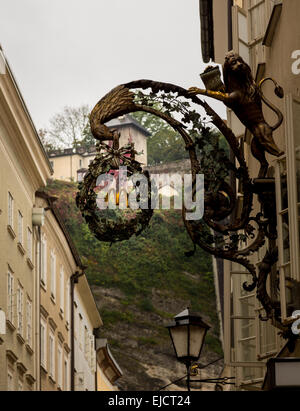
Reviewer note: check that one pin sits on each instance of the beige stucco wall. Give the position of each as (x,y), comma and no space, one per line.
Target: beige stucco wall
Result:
(65,167)
(103,384)
(57,320)
(24,168)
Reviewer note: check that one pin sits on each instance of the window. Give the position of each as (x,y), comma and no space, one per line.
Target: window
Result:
(59,366)
(53,274)
(29,322)
(10,380)
(92,349)
(43,344)
(44,261)
(29,243)
(259,12)
(240,27)
(80,163)
(51,356)
(10,299)
(66,375)
(10,210)
(20,298)
(20,227)
(288,209)
(62,289)
(80,330)
(86,342)
(68,302)
(241,324)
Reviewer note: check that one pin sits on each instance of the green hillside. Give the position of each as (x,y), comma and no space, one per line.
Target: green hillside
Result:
(140,269)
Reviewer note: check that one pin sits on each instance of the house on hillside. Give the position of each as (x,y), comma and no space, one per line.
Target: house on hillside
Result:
(71,164)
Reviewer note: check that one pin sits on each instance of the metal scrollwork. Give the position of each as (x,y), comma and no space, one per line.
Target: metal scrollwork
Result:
(219,233)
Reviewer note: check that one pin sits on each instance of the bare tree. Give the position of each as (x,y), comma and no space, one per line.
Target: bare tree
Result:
(67,129)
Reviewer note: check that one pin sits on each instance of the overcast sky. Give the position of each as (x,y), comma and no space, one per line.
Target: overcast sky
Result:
(72,52)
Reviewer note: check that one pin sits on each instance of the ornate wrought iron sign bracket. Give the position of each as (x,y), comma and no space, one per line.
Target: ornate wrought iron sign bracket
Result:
(220,232)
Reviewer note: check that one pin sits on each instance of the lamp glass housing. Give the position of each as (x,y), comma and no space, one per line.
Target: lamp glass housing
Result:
(187,335)
(284,373)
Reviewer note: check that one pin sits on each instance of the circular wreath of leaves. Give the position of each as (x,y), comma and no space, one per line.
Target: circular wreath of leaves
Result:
(111,225)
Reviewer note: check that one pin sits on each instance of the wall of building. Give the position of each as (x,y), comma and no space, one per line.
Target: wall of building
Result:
(28,303)
(248,341)
(86,319)
(24,168)
(57,266)
(65,166)
(103,383)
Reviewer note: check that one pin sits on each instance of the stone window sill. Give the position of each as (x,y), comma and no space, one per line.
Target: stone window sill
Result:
(20,339)
(51,379)
(43,286)
(30,264)
(21,248)
(29,349)
(61,314)
(10,325)
(11,231)
(44,369)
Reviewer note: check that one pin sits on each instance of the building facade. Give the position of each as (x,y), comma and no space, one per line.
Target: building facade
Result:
(41,275)
(266,34)
(24,168)
(71,164)
(108,370)
(86,321)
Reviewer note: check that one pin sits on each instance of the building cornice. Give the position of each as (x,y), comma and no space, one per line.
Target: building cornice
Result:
(19,124)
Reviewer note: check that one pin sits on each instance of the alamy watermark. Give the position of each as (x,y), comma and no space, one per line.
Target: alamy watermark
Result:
(296,324)
(296,63)
(132,192)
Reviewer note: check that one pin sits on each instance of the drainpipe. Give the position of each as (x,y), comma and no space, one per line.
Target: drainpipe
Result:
(73,280)
(39,305)
(96,333)
(38,216)
(230,40)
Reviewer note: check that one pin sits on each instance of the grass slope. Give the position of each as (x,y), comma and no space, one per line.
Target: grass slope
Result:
(154,260)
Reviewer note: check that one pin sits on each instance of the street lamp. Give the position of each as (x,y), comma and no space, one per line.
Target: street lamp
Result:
(187,333)
(282,374)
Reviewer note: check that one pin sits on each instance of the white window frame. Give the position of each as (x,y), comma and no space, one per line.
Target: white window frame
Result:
(232,340)
(240,33)
(10,213)
(43,331)
(20,227)
(52,355)
(86,343)
(293,204)
(53,275)
(20,309)
(66,373)
(44,261)
(62,289)
(10,380)
(29,322)
(29,243)
(10,296)
(20,385)
(60,366)
(68,301)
